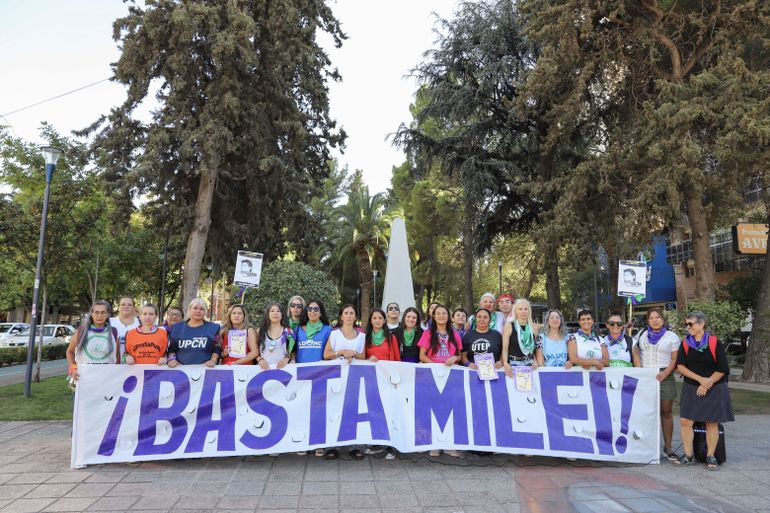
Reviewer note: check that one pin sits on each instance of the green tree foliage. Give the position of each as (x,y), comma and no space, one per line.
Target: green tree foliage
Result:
(743,290)
(241,135)
(725,318)
(283,279)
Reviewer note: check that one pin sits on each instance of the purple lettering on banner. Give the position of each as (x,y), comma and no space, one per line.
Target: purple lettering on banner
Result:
(555,412)
(602,414)
(319,375)
(204,422)
(626,404)
(505,436)
(150,412)
(429,401)
(279,419)
(378,423)
(107,447)
(480,415)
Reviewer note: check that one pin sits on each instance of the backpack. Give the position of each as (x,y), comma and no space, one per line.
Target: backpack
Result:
(712,346)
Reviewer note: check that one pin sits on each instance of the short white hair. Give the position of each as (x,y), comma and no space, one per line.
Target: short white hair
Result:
(198,301)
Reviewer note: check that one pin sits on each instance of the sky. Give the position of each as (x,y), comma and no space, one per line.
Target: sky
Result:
(49,47)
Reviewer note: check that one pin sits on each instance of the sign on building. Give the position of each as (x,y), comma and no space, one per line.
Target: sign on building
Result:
(750,239)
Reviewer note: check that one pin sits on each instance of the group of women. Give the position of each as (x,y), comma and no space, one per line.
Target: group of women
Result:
(500,327)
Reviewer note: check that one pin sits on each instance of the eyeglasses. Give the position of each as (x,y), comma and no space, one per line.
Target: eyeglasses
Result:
(615,323)
(393,309)
(174,315)
(295,305)
(313,308)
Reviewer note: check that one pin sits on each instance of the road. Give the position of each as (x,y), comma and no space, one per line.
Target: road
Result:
(15,373)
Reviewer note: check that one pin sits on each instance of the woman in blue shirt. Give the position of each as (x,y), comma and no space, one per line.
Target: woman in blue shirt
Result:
(195,341)
(552,344)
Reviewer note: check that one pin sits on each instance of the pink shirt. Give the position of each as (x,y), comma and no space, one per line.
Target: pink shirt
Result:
(449,346)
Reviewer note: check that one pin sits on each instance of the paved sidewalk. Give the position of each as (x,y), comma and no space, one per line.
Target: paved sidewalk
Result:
(35,476)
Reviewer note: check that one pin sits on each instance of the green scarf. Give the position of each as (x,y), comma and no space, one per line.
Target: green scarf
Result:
(293,324)
(378,337)
(312,328)
(408,338)
(526,340)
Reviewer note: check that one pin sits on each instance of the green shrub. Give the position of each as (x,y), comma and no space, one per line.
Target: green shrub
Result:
(725,318)
(284,279)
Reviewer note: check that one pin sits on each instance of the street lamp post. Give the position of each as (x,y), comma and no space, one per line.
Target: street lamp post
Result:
(374,288)
(51,155)
(500,276)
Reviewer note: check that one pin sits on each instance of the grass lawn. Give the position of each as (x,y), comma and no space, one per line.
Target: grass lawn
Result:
(50,400)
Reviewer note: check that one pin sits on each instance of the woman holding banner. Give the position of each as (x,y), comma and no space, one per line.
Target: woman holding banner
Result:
(311,336)
(482,339)
(519,338)
(441,344)
(294,311)
(619,345)
(147,343)
(239,339)
(275,340)
(585,348)
(195,341)
(94,342)
(702,361)
(408,334)
(551,347)
(657,348)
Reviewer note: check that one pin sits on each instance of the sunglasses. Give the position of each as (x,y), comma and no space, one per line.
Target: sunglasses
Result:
(295,305)
(615,323)
(313,308)
(174,315)
(393,309)
(690,324)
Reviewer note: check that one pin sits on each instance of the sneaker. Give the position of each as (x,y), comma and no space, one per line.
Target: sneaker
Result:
(356,454)
(390,456)
(302,453)
(434,454)
(455,454)
(374,449)
(320,452)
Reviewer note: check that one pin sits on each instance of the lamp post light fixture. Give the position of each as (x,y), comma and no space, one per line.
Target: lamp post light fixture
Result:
(51,155)
(374,287)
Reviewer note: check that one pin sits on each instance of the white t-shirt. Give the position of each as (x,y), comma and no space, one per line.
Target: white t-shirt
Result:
(393,326)
(122,329)
(339,342)
(588,348)
(619,355)
(657,356)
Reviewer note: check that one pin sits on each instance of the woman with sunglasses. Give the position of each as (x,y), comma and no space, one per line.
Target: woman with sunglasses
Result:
(619,345)
(294,311)
(551,349)
(393,312)
(312,335)
(702,361)
(657,348)
(585,347)
(408,334)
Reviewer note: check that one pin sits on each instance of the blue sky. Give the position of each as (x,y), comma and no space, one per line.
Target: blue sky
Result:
(48,47)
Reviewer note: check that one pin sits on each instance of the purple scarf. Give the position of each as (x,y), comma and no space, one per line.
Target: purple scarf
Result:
(653,338)
(697,345)
(612,340)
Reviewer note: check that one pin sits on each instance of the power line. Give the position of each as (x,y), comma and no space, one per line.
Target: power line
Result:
(55,97)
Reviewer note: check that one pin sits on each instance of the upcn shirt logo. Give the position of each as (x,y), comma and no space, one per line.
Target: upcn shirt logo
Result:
(193,343)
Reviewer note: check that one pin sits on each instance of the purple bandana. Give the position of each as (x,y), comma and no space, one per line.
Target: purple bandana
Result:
(697,345)
(653,338)
(612,340)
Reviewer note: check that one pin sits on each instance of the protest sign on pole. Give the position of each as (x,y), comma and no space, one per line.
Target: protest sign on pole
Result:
(248,271)
(145,412)
(632,278)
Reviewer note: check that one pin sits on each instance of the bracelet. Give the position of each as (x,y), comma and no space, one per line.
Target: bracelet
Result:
(171,356)
(260,359)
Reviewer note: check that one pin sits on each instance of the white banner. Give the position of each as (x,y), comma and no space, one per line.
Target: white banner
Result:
(145,412)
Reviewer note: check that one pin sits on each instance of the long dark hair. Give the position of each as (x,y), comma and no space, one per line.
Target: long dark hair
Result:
(338,321)
(434,342)
(303,320)
(369,329)
(264,325)
(417,327)
(87,321)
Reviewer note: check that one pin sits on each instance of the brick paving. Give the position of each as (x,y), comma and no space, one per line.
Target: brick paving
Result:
(35,476)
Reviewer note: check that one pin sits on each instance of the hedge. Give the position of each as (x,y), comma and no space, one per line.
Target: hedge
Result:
(14,355)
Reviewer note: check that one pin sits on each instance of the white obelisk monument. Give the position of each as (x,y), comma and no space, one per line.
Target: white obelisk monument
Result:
(399,287)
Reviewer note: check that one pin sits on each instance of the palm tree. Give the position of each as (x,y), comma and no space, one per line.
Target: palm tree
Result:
(363,227)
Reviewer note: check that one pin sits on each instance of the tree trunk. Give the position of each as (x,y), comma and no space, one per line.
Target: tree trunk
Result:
(531,277)
(43,320)
(196,241)
(365,277)
(468,257)
(757,367)
(705,289)
(552,288)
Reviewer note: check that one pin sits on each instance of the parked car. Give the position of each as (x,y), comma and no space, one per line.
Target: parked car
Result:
(10,329)
(52,334)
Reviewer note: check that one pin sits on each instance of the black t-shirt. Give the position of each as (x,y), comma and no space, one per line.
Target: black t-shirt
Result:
(411,353)
(489,342)
(702,362)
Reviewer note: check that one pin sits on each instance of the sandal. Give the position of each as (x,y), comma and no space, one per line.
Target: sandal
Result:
(332,454)
(683,460)
(356,454)
(711,463)
(670,454)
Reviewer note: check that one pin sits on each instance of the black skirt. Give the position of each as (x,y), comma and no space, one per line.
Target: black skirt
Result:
(715,406)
